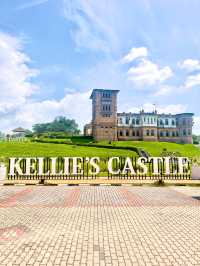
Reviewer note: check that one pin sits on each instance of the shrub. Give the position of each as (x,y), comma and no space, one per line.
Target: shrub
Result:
(69,142)
(159,183)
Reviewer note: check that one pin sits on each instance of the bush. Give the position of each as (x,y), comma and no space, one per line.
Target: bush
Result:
(159,183)
(69,142)
(171,154)
(196,161)
(82,139)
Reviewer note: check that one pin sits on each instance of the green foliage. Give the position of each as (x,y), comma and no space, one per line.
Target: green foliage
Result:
(159,183)
(28,134)
(196,161)
(196,139)
(2,135)
(90,144)
(60,124)
(172,154)
(82,139)
(54,135)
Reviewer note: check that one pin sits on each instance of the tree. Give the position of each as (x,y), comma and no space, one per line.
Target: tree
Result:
(59,124)
(2,135)
(28,133)
(196,139)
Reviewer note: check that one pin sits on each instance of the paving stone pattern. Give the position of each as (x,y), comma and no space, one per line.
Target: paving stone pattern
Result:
(99,225)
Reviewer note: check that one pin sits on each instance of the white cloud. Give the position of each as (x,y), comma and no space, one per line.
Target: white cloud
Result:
(190,64)
(164,90)
(93,23)
(16,75)
(172,109)
(192,81)
(31,4)
(148,73)
(135,53)
(75,105)
(196,128)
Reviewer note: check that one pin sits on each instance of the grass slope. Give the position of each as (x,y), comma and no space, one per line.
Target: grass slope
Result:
(9,149)
(156,148)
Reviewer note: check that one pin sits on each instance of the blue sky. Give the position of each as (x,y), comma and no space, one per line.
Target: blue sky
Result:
(53,52)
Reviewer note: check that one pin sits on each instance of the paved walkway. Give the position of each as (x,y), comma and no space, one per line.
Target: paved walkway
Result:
(101,225)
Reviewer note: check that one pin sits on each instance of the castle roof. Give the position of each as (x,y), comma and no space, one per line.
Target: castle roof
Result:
(19,130)
(102,90)
(154,113)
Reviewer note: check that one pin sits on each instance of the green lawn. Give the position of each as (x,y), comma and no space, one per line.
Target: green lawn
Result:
(9,149)
(156,148)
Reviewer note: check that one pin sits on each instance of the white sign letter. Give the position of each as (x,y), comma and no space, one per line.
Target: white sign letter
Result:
(110,168)
(128,167)
(94,162)
(15,165)
(141,163)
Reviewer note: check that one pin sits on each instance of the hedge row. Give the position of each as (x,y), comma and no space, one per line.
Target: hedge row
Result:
(139,151)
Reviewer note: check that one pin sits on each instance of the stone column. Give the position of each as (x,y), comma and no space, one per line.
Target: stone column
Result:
(195,172)
(3,173)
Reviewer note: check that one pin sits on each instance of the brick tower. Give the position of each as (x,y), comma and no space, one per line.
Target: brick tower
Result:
(104,114)
(184,124)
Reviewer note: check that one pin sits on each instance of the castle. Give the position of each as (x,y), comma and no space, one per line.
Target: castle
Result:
(107,124)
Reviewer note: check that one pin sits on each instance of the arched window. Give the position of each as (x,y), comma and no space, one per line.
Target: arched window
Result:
(173,123)
(184,132)
(133,121)
(127,120)
(152,132)
(138,133)
(133,133)
(167,134)
(127,133)
(121,133)
(161,134)
(166,122)
(147,132)
(137,121)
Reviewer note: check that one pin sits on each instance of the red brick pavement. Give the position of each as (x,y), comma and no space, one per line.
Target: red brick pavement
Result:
(99,226)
